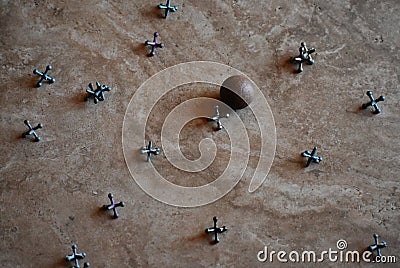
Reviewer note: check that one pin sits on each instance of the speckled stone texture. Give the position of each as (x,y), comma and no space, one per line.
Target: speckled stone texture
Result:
(51,192)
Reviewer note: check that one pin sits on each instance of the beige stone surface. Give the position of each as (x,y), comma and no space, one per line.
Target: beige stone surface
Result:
(51,191)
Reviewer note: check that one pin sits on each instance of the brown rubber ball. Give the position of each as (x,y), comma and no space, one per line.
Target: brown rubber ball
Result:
(237,91)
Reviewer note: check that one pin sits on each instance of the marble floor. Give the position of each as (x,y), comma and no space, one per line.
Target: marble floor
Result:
(52,191)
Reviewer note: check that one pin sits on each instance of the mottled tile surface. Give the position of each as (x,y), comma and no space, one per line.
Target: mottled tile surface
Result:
(51,191)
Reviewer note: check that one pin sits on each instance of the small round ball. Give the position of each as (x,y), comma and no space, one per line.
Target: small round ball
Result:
(237,91)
